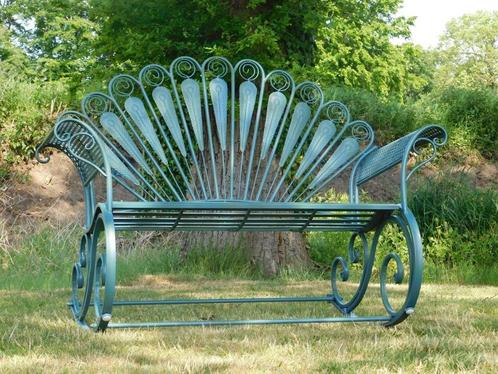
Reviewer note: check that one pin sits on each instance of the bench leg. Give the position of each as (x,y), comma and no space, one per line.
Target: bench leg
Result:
(105,272)
(409,227)
(347,307)
(82,280)
(98,268)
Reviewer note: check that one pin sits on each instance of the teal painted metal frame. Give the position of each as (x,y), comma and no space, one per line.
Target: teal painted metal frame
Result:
(233,203)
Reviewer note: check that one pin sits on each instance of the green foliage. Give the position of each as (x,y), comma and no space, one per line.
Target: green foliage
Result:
(468,52)
(56,35)
(12,60)
(27,112)
(470,115)
(459,222)
(354,50)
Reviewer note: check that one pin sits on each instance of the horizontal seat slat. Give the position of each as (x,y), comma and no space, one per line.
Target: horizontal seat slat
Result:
(134,213)
(249,216)
(248,221)
(250,205)
(235,229)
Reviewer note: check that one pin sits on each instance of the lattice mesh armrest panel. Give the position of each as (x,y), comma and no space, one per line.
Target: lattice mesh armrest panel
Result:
(384,158)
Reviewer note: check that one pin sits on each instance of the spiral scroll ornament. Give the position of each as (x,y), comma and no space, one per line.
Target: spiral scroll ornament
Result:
(219,67)
(337,112)
(407,225)
(96,103)
(184,67)
(310,93)
(153,75)
(354,256)
(361,131)
(249,70)
(124,86)
(280,80)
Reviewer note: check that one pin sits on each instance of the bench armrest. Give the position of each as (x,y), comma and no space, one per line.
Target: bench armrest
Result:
(74,136)
(378,160)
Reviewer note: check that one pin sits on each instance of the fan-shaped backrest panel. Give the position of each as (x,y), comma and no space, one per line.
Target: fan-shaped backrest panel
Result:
(217,131)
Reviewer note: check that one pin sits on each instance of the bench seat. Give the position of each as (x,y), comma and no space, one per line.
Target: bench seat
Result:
(249,216)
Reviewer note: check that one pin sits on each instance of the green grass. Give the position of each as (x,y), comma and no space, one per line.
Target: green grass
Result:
(454,328)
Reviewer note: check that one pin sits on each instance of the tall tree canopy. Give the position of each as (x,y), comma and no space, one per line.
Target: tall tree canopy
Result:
(468,52)
(343,42)
(339,42)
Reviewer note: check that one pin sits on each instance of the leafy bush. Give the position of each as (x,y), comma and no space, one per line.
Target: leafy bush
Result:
(27,112)
(458,221)
(470,115)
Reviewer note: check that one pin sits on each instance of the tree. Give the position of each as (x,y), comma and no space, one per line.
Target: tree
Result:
(354,46)
(468,52)
(12,59)
(344,42)
(56,35)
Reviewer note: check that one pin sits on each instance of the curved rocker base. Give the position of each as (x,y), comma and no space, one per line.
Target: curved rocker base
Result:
(98,267)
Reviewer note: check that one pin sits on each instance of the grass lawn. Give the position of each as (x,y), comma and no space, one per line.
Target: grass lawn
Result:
(454,329)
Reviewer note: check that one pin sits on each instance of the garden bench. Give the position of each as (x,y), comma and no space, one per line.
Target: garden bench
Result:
(216,146)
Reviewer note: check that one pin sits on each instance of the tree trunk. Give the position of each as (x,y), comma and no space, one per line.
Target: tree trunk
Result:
(270,251)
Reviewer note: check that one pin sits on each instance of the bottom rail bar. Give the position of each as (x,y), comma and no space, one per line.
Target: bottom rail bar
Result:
(225,301)
(304,299)
(246,322)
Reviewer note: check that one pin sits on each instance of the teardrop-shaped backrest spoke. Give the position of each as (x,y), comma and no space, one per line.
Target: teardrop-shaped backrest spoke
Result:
(156,85)
(137,112)
(300,117)
(323,135)
(247,94)
(218,89)
(163,100)
(217,131)
(280,87)
(309,99)
(111,122)
(217,77)
(251,92)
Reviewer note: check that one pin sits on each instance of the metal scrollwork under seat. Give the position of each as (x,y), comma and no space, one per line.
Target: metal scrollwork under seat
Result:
(222,147)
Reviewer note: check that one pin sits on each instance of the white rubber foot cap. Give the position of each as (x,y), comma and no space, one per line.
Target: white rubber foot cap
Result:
(106,317)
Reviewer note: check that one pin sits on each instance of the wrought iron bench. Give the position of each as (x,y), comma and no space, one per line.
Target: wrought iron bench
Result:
(216,146)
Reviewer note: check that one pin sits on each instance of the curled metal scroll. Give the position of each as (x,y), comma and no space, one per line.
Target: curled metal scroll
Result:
(354,257)
(123,86)
(337,112)
(219,67)
(153,75)
(185,67)
(417,150)
(397,278)
(280,80)
(97,103)
(249,70)
(408,226)
(310,93)
(361,131)
(432,137)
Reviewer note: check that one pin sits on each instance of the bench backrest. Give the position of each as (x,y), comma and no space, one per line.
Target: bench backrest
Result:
(216,131)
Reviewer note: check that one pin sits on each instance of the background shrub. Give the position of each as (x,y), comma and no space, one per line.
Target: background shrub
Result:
(27,112)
